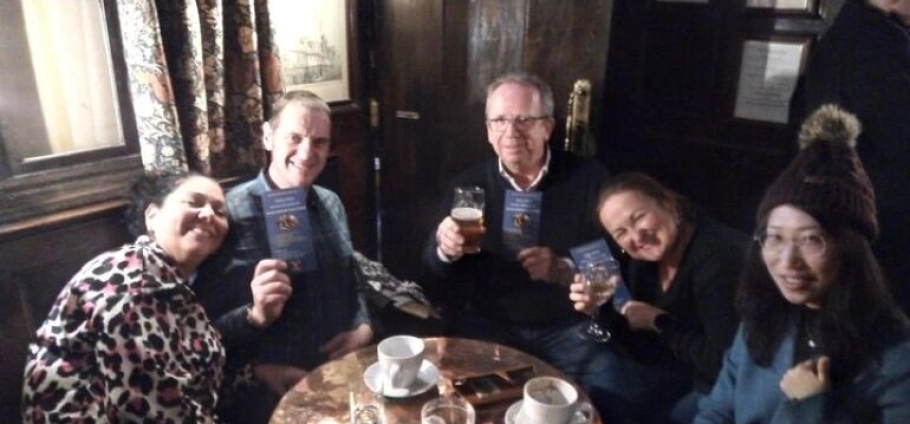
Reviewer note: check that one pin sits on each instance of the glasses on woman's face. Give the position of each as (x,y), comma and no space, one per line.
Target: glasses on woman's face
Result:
(522,123)
(809,245)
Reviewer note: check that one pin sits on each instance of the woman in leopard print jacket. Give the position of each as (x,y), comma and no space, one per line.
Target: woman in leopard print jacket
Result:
(126,341)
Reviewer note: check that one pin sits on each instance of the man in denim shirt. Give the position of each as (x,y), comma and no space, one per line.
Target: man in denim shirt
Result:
(294,321)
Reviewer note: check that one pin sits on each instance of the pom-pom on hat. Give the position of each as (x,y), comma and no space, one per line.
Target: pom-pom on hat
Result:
(826,178)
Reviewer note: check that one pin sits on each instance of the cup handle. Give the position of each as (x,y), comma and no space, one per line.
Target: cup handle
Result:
(394,370)
(586,411)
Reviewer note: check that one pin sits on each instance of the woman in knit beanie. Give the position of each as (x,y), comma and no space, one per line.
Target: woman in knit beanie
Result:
(821,338)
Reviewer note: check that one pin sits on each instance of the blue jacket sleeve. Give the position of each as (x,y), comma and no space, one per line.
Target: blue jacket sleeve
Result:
(718,407)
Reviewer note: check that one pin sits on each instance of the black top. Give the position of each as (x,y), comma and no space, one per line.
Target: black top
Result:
(700,301)
(492,281)
(863,64)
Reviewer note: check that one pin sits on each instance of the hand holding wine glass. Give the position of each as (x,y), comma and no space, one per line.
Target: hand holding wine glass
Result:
(600,281)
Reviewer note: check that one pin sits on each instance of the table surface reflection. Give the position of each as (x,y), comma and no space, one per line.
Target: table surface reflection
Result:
(323,396)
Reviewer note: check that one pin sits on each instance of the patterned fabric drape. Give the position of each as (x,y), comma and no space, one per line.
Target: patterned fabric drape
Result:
(202,74)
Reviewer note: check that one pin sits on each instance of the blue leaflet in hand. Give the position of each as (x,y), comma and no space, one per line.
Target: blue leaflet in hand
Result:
(521,220)
(287,222)
(595,252)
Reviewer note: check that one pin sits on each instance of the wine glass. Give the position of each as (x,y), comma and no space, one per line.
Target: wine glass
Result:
(599,282)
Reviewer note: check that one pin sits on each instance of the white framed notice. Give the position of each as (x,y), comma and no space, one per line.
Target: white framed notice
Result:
(767,76)
(802,5)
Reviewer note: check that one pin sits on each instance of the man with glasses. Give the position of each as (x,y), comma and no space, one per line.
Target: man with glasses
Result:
(519,297)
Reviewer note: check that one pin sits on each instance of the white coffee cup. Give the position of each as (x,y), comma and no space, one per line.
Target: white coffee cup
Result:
(550,400)
(400,358)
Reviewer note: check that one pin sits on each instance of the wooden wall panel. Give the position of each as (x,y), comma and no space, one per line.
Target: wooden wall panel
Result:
(408,56)
(567,41)
(353,182)
(672,75)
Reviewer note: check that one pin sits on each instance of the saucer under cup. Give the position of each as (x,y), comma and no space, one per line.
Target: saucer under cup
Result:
(426,379)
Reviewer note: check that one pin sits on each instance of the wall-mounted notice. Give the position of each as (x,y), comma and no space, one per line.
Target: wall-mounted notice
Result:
(767,77)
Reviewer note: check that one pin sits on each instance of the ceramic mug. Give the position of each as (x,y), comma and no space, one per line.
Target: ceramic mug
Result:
(400,358)
(551,400)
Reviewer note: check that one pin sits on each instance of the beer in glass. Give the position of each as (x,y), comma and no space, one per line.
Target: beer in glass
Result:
(467,211)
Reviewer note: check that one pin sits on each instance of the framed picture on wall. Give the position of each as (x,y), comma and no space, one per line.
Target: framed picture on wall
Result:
(768,73)
(783,5)
(312,38)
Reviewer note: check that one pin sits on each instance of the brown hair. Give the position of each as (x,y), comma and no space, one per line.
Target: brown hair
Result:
(648,187)
(302,98)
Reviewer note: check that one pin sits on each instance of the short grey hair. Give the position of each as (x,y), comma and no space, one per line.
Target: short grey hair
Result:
(302,98)
(528,80)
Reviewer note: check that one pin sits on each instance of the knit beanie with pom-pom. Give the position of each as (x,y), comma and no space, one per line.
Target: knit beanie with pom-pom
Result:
(826,178)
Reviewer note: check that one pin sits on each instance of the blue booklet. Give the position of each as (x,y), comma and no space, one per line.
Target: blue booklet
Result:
(521,220)
(287,222)
(597,252)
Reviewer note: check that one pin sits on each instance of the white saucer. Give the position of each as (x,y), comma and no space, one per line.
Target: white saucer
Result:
(512,415)
(426,379)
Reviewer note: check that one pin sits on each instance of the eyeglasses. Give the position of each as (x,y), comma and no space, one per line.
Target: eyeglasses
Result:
(522,123)
(810,245)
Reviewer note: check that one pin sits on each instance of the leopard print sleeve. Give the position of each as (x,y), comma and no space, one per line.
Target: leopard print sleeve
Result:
(155,357)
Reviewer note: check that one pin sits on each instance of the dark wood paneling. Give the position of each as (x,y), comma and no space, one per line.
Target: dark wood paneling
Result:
(409,56)
(567,41)
(350,151)
(671,85)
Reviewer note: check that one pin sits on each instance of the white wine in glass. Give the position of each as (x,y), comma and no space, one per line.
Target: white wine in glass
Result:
(599,282)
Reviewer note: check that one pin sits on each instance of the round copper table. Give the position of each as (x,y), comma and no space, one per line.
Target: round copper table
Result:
(324,395)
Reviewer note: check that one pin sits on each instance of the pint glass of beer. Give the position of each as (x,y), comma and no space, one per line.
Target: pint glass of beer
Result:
(467,211)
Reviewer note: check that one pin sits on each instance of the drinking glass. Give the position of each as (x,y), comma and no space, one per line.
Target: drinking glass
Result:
(447,410)
(599,282)
(367,407)
(467,211)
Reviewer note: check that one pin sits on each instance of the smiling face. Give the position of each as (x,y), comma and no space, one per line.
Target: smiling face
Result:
(641,226)
(521,151)
(803,279)
(190,223)
(299,145)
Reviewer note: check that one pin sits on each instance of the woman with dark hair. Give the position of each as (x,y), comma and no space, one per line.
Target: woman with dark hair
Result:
(126,341)
(681,275)
(821,339)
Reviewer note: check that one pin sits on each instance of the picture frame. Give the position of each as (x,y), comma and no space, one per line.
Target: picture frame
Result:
(768,72)
(783,5)
(314,40)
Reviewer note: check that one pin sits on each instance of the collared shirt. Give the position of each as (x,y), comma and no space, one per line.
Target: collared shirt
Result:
(326,301)
(543,172)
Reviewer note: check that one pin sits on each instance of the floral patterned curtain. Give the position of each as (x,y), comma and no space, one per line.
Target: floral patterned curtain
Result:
(202,75)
